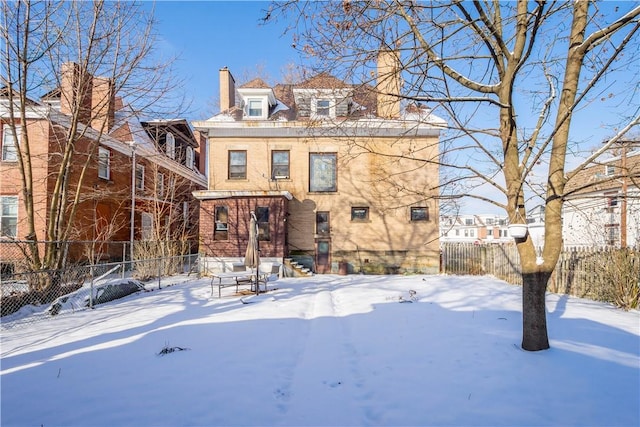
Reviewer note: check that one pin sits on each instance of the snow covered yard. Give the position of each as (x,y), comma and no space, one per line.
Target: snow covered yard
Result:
(326,350)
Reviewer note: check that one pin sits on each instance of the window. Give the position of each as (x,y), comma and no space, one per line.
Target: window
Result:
(189,159)
(468,221)
(419,214)
(139,177)
(255,108)
(262,215)
(611,201)
(104,163)
(612,234)
(237,165)
(322,223)
(489,221)
(322,172)
(10,144)
(322,107)
(609,170)
(360,213)
(280,164)
(185,212)
(171,145)
(160,185)
(9,216)
(147,226)
(221,228)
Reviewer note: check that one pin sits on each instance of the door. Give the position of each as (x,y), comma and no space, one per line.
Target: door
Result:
(323,256)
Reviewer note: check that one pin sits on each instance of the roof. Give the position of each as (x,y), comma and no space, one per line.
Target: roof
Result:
(595,178)
(257,83)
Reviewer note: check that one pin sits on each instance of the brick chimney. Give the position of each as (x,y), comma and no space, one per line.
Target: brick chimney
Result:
(75,91)
(227,90)
(388,84)
(103,102)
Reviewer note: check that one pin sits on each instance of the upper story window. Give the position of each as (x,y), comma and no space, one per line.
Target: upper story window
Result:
(323,172)
(323,108)
(420,213)
(280,164)
(104,163)
(189,158)
(9,216)
(160,185)
(139,177)
(171,145)
(10,143)
(609,170)
(468,221)
(238,164)
(254,108)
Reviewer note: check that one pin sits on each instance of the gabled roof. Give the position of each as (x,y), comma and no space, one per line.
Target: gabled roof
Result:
(256,83)
(323,81)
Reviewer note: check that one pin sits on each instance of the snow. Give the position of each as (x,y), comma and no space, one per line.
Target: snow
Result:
(326,350)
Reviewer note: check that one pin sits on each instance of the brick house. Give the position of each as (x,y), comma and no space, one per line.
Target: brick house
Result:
(117,149)
(339,175)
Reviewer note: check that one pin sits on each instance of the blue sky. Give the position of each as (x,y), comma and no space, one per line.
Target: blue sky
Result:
(209,35)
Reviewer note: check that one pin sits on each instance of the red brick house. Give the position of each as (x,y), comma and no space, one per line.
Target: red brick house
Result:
(120,162)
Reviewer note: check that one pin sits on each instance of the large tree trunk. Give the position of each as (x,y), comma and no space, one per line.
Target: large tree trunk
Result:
(534,313)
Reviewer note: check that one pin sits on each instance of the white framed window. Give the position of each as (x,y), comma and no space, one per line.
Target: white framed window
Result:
(323,108)
(104,163)
(609,170)
(189,158)
(9,216)
(170,145)
(160,185)
(255,108)
(10,143)
(139,177)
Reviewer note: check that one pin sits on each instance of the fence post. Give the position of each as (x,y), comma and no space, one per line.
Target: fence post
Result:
(91,287)
(160,261)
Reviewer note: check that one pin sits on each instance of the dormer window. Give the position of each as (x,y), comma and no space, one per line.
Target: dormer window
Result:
(323,108)
(254,108)
(257,101)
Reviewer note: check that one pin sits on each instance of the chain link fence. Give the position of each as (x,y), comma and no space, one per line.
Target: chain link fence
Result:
(29,294)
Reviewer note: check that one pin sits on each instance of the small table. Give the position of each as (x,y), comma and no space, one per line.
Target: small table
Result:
(240,278)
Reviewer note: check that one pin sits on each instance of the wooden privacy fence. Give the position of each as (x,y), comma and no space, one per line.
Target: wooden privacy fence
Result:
(603,274)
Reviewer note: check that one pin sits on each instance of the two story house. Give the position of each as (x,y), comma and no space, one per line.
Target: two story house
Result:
(602,203)
(340,176)
(125,169)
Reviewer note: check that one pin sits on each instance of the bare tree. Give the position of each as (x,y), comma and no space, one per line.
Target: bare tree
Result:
(510,78)
(110,44)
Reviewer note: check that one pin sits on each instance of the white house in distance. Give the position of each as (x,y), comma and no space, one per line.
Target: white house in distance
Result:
(602,208)
(488,228)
